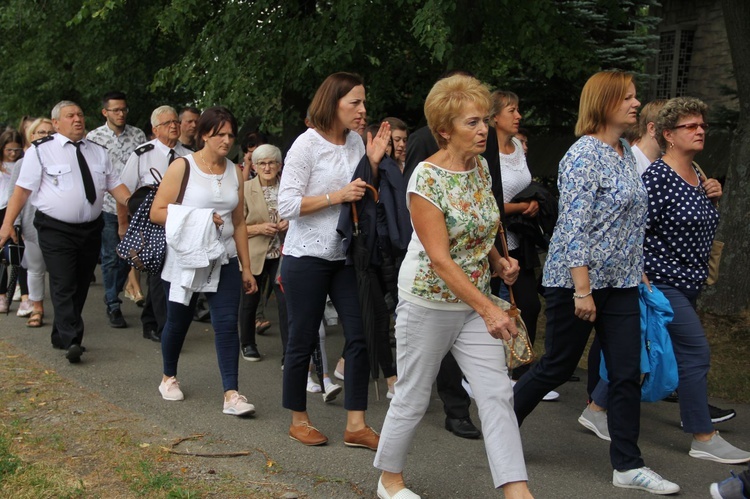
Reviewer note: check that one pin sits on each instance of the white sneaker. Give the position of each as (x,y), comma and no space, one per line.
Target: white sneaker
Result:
(312,386)
(170,389)
(551,395)
(237,405)
(332,390)
(644,479)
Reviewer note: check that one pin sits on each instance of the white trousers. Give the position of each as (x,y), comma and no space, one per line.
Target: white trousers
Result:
(34,263)
(423,337)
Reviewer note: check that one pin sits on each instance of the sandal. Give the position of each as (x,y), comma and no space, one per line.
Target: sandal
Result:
(136,297)
(261,326)
(35,319)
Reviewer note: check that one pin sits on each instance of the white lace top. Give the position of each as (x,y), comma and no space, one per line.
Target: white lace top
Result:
(516,177)
(315,167)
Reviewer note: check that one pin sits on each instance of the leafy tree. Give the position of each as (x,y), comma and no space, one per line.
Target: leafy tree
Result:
(63,49)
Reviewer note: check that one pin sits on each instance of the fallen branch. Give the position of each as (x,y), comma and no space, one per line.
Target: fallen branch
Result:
(176,442)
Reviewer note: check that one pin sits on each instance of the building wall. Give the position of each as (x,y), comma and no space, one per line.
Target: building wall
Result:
(710,69)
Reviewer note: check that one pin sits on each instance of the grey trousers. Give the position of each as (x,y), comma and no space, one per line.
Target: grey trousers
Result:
(423,337)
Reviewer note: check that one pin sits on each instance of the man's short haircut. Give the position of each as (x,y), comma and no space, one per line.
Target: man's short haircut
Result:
(447,99)
(396,124)
(211,121)
(649,112)
(55,114)
(601,96)
(267,151)
(114,95)
(190,109)
(324,105)
(252,139)
(159,111)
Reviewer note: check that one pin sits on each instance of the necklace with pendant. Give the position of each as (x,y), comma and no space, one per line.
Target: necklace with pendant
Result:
(210,170)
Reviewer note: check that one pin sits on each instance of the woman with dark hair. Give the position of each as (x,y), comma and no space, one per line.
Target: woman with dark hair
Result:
(316,181)
(593,269)
(212,214)
(11,147)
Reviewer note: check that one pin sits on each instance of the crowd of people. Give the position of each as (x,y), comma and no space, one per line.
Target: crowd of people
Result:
(629,212)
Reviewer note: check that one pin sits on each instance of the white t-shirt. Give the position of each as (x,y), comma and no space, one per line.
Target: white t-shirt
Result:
(642,162)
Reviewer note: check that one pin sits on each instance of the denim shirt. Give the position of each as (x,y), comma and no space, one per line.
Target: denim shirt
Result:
(602,218)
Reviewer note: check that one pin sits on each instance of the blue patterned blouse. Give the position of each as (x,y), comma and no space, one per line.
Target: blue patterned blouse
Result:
(682,223)
(602,218)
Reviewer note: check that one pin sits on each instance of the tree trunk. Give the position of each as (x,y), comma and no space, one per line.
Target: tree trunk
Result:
(731,295)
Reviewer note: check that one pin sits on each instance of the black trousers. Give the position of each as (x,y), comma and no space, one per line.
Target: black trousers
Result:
(154,314)
(249,305)
(70,253)
(618,330)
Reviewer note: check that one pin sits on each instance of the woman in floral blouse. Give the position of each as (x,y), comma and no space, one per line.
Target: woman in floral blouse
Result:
(444,289)
(593,269)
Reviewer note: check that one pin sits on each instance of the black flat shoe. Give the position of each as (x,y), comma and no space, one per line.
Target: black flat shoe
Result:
(74,354)
(152,335)
(462,427)
(116,319)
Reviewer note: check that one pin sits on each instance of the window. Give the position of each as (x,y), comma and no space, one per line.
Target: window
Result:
(675,53)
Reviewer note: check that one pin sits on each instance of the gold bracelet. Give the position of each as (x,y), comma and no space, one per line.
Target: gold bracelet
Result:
(578,297)
(328,198)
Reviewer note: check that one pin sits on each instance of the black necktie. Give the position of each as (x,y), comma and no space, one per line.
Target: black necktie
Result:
(88,182)
(171,157)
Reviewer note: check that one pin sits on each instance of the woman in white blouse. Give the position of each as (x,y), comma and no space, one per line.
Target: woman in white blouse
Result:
(317,179)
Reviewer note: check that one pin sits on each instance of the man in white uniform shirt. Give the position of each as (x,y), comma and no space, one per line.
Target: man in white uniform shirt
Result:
(120,140)
(156,154)
(66,178)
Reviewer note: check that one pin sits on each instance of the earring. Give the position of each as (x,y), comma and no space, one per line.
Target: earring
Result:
(671,144)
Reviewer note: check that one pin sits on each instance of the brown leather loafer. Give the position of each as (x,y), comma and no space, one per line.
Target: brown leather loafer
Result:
(307,434)
(366,437)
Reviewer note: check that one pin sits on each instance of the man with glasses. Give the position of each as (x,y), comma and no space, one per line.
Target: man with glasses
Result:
(188,122)
(155,154)
(120,139)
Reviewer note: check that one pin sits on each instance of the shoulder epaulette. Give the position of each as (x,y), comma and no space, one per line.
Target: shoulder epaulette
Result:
(41,141)
(144,149)
(97,143)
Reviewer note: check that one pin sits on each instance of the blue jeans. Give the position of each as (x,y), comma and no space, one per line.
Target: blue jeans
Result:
(224,305)
(306,281)
(114,269)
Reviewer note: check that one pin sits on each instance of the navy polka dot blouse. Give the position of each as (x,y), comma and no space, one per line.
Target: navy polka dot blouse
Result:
(681,227)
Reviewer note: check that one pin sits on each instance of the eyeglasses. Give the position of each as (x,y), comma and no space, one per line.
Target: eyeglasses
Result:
(13,149)
(269,164)
(691,127)
(119,110)
(44,133)
(168,123)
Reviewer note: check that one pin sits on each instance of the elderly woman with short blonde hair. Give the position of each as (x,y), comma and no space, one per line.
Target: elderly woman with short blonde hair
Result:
(444,292)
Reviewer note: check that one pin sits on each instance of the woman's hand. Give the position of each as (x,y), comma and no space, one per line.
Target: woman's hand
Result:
(352,192)
(268,229)
(644,280)
(283,225)
(248,282)
(499,324)
(377,145)
(712,188)
(507,270)
(218,220)
(585,308)
(532,210)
